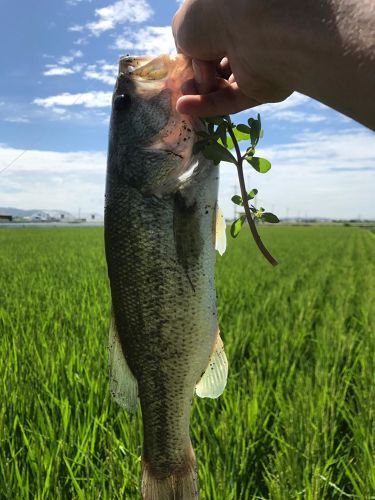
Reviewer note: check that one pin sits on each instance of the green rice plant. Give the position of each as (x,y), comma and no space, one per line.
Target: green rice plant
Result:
(297,419)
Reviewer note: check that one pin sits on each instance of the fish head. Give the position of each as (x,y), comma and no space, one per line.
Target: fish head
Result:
(144,117)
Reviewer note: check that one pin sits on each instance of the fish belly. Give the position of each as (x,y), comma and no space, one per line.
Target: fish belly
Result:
(161,256)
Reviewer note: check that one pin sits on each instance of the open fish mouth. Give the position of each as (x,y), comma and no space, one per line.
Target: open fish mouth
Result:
(145,67)
(144,79)
(155,68)
(147,72)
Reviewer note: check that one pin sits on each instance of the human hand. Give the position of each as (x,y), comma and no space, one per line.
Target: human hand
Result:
(229,77)
(324,50)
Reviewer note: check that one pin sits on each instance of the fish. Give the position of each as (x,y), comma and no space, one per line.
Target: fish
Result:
(162,224)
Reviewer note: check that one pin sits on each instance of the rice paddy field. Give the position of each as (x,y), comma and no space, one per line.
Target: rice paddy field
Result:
(297,420)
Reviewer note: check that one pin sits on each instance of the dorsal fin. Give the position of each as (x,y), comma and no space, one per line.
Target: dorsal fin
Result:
(214,379)
(123,385)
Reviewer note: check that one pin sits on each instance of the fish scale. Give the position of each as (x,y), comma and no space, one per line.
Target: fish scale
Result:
(160,250)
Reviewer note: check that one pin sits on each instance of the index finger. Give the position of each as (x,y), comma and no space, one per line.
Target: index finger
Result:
(226,100)
(195,26)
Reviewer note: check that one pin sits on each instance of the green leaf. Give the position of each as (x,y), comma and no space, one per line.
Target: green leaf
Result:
(236,226)
(250,195)
(243,128)
(255,128)
(240,136)
(218,153)
(269,217)
(221,133)
(211,128)
(215,120)
(237,200)
(250,151)
(260,164)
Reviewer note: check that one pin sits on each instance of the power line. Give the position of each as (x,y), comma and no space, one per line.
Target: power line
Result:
(13,161)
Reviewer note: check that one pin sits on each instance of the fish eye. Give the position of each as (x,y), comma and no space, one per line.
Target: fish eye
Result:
(121,102)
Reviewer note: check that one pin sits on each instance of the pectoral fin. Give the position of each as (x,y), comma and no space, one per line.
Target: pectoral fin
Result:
(221,238)
(214,379)
(123,385)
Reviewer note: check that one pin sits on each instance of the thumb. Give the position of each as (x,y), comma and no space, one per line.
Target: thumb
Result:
(205,75)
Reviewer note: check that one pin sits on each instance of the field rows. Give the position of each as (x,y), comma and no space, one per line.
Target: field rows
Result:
(297,419)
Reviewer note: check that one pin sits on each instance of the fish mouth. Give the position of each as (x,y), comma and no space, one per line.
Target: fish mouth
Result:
(171,70)
(129,64)
(145,77)
(146,67)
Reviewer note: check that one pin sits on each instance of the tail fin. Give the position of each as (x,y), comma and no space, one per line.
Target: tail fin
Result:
(181,485)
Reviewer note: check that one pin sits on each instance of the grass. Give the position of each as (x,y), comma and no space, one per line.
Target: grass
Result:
(297,420)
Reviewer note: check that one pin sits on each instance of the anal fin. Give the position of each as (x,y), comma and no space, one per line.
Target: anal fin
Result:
(123,385)
(214,379)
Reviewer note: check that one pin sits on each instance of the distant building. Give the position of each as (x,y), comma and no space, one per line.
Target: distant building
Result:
(94,217)
(64,217)
(6,217)
(41,216)
(52,216)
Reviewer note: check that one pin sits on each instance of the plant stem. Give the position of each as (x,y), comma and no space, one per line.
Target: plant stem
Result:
(249,217)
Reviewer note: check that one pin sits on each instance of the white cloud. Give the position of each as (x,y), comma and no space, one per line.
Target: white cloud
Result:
(81,41)
(58,71)
(77,67)
(150,40)
(76,2)
(300,116)
(61,68)
(298,108)
(53,162)
(59,111)
(74,54)
(17,119)
(76,27)
(50,179)
(102,71)
(120,12)
(326,174)
(95,99)
(296,99)
(349,149)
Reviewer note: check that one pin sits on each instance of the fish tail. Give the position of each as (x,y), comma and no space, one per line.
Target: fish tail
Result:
(182,484)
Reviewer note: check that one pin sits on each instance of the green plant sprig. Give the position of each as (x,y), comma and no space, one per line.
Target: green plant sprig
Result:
(220,136)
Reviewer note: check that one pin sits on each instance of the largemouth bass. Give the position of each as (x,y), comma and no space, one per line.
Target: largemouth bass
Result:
(160,232)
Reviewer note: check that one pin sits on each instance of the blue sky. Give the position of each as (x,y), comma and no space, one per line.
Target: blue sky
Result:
(59,60)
